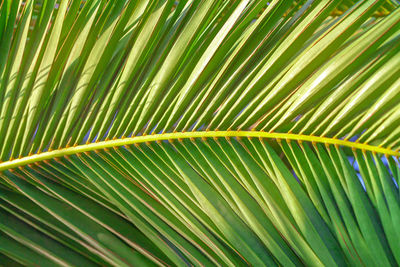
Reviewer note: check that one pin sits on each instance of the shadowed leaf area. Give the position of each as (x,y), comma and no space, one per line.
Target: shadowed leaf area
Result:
(199,133)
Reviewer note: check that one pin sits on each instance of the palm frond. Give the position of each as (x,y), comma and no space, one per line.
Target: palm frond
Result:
(199,133)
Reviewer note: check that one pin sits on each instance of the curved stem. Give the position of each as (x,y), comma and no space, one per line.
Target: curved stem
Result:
(182,135)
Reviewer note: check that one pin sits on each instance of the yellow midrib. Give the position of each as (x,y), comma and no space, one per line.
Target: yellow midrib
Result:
(184,135)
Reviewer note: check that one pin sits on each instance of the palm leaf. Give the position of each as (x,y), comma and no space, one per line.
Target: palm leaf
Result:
(199,133)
